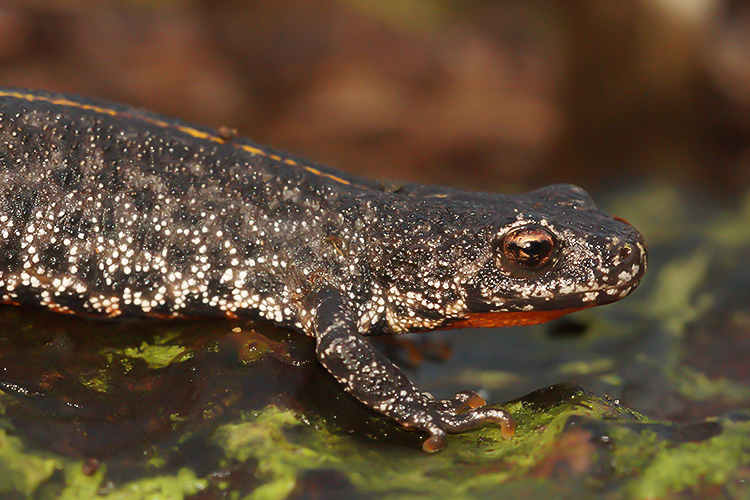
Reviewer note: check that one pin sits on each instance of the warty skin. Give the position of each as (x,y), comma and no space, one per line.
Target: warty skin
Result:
(111,211)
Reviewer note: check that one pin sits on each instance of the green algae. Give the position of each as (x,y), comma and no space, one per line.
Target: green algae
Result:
(489,379)
(156,356)
(262,438)
(730,228)
(699,387)
(170,487)
(404,473)
(586,367)
(28,472)
(560,427)
(21,470)
(695,466)
(678,288)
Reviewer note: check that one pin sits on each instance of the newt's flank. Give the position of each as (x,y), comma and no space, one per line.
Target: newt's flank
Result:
(107,210)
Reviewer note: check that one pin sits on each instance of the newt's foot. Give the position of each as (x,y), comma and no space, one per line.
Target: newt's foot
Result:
(379,384)
(461,413)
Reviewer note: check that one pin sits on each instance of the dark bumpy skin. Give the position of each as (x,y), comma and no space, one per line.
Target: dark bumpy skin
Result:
(110,211)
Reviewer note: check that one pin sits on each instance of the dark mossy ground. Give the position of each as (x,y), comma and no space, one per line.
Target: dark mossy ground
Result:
(648,398)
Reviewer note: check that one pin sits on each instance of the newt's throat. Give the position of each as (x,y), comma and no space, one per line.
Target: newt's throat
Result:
(508,318)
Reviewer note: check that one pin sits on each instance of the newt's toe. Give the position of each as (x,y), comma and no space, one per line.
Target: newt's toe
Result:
(434,443)
(475,401)
(508,427)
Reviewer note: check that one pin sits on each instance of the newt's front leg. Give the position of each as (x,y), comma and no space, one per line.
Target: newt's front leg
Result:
(379,384)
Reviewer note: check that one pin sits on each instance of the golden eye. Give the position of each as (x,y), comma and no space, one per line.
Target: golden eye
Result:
(528,248)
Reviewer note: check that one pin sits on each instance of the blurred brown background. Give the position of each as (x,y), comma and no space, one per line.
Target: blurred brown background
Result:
(497,95)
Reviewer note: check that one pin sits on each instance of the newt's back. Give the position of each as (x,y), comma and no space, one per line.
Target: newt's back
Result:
(105,209)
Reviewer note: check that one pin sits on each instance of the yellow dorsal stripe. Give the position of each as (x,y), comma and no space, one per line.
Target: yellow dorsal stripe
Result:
(193,132)
(323,174)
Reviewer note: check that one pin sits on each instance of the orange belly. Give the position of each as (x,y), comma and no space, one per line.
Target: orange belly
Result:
(508,318)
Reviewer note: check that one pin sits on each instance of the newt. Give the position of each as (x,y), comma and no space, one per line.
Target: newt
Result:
(111,211)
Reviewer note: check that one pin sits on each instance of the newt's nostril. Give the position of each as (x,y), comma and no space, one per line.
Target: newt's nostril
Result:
(625,252)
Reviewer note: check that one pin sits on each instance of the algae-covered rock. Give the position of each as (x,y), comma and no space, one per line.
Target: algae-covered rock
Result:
(648,398)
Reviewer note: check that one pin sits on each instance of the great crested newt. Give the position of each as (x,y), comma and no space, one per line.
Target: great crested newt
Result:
(112,211)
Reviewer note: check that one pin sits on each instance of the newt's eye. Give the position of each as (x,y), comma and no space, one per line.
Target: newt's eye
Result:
(528,248)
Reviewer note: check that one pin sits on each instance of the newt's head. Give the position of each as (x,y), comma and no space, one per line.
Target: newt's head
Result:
(495,260)
(557,253)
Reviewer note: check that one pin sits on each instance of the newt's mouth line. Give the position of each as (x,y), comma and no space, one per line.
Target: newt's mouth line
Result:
(611,291)
(543,311)
(576,300)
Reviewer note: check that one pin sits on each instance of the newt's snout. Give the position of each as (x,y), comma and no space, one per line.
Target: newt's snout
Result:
(625,261)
